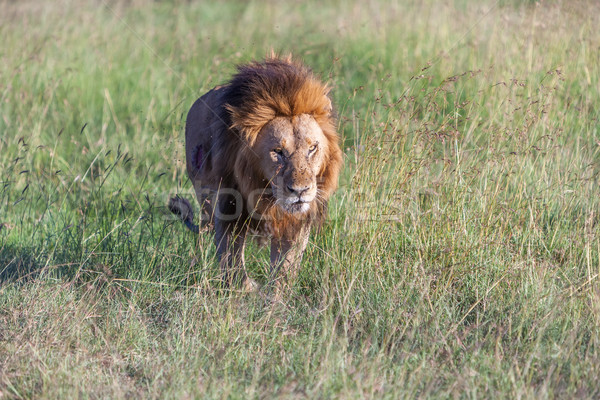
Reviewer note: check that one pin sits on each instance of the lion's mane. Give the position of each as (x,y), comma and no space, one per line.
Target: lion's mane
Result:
(261,91)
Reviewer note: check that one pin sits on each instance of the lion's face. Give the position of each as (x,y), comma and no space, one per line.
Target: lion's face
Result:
(292,152)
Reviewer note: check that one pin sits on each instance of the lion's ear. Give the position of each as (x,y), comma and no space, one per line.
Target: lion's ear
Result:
(272,55)
(328,108)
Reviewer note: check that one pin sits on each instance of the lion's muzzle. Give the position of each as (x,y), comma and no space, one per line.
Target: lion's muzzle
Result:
(298,199)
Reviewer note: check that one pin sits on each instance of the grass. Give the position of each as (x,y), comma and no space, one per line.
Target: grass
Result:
(462,252)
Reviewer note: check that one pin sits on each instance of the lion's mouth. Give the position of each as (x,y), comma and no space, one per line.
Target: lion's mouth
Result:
(296,207)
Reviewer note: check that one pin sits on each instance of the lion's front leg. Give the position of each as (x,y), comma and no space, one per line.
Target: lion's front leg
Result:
(230,240)
(230,244)
(286,255)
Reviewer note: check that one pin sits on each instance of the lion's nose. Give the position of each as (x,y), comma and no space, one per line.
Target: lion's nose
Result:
(297,190)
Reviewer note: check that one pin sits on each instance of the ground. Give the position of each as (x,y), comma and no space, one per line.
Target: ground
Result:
(462,250)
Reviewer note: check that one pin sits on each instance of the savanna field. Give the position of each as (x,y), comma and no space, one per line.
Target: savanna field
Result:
(461,256)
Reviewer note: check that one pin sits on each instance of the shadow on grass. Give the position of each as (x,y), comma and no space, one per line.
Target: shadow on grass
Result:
(19,264)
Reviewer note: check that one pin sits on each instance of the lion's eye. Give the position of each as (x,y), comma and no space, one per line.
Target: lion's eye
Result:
(312,149)
(278,151)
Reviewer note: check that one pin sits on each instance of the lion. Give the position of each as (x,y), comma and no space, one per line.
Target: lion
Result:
(263,155)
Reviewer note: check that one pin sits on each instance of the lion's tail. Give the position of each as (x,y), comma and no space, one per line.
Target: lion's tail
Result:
(183,209)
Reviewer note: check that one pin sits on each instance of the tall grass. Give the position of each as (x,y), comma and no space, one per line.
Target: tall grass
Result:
(461,255)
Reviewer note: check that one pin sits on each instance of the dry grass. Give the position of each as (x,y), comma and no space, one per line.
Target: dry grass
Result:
(461,257)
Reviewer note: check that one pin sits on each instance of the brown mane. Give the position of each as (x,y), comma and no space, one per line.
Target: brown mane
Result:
(261,91)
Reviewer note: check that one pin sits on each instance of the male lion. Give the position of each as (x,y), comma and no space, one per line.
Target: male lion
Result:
(263,155)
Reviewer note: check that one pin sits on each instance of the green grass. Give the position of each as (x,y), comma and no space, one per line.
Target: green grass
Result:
(461,256)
